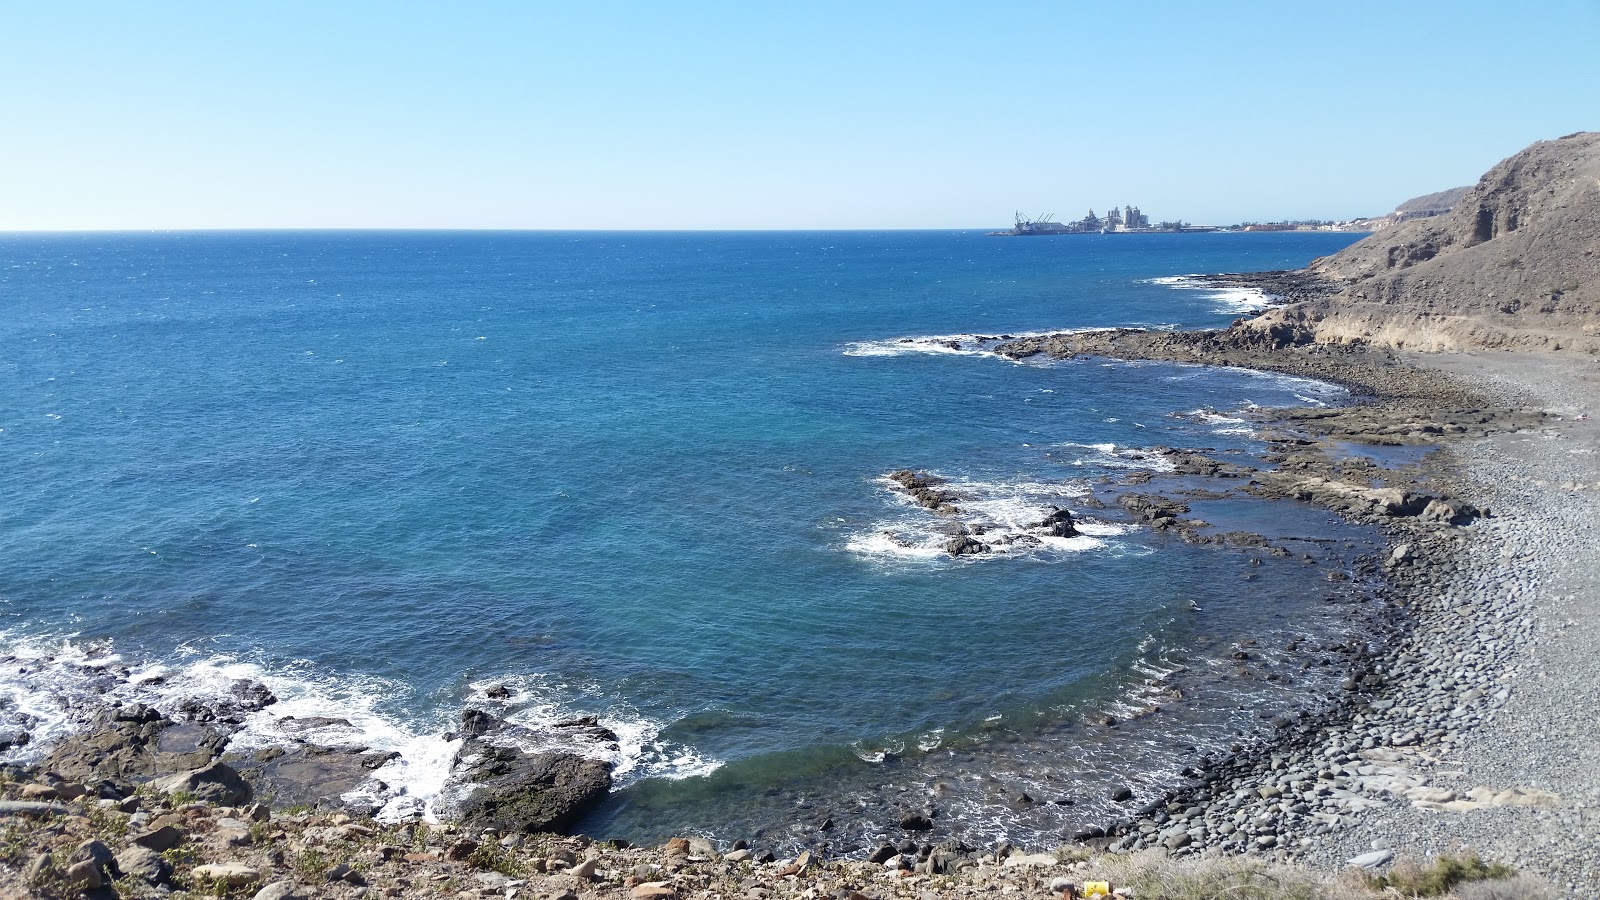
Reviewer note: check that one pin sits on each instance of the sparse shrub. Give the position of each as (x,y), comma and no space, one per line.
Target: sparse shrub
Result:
(1520,887)
(1438,879)
(494,858)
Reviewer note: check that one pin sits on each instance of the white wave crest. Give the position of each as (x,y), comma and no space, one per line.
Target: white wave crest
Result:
(1110,456)
(1003,515)
(1227,300)
(52,688)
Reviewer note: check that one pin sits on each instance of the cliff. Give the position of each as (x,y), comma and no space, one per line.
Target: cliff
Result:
(1515,264)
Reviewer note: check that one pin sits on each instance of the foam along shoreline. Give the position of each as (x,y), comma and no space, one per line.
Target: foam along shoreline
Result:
(53,692)
(1443,738)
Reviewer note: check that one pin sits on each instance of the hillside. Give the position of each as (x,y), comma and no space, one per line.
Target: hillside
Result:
(1427,203)
(1515,264)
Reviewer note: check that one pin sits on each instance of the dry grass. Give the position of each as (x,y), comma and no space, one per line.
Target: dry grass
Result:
(1154,876)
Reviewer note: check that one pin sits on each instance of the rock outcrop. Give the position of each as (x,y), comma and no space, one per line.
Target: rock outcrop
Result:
(1515,264)
(515,791)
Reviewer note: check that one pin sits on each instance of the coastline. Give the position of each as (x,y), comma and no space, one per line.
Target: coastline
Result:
(1367,761)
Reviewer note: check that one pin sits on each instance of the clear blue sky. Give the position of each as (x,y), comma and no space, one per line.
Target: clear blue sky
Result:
(766,115)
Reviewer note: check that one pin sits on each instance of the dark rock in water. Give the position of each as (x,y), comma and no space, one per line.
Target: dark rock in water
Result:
(1122,795)
(1088,833)
(477,723)
(1058,524)
(251,695)
(883,854)
(922,488)
(497,692)
(216,783)
(588,727)
(522,792)
(310,723)
(14,738)
(916,822)
(965,546)
(137,712)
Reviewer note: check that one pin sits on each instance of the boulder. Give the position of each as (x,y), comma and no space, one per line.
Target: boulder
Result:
(144,864)
(306,775)
(217,784)
(132,742)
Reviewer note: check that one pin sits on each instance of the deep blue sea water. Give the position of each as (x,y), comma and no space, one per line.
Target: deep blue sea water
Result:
(637,475)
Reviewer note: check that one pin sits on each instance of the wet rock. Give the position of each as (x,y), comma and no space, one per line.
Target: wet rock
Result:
(514,791)
(1058,524)
(965,546)
(916,822)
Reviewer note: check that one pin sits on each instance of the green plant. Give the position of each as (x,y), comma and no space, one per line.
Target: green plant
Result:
(311,864)
(1436,880)
(494,858)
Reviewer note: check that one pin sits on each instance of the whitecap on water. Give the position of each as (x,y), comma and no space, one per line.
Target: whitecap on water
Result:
(1226,300)
(1000,514)
(53,687)
(1110,456)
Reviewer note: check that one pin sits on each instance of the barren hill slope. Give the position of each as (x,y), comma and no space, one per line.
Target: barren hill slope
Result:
(1516,263)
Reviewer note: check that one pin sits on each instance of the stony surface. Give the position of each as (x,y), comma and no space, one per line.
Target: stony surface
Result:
(1513,265)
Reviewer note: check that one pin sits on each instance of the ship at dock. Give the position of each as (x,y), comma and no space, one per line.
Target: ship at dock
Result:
(1116,221)
(1025,226)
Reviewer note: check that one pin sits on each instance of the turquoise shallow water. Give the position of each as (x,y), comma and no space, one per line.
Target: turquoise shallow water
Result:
(633,475)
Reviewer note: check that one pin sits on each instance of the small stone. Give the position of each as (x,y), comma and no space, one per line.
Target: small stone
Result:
(97,853)
(37,867)
(343,872)
(585,869)
(230,874)
(799,865)
(85,876)
(279,890)
(144,864)
(1266,841)
(461,849)
(653,890)
(159,839)
(743,853)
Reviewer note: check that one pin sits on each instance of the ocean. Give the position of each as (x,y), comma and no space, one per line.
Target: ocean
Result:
(643,476)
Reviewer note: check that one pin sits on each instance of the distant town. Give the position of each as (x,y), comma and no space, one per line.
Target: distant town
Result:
(1130,220)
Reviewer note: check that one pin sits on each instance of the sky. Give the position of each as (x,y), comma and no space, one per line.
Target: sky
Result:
(735,115)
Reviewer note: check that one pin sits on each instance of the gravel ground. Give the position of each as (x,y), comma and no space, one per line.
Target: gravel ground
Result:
(1528,592)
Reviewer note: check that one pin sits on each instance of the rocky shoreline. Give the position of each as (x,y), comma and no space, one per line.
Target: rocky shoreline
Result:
(1407,704)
